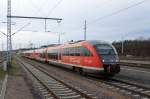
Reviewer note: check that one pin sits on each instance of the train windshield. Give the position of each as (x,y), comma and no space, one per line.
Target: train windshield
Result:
(105,49)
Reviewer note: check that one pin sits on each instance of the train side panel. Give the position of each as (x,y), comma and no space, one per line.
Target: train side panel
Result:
(91,60)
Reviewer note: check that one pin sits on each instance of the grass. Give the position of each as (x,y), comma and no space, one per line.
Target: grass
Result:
(15,68)
(2,73)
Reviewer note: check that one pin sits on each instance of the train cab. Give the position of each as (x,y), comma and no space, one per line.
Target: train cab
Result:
(107,55)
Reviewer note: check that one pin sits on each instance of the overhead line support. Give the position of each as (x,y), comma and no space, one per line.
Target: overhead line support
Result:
(9,41)
(34,17)
(85,27)
(43,18)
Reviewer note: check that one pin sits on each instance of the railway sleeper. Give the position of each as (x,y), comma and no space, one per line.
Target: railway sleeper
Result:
(67,95)
(71,97)
(45,79)
(53,87)
(60,89)
(56,85)
(64,94)
(66,91)
(41,89)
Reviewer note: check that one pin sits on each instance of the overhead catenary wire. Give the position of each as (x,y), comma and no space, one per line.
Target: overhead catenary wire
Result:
(117,12)
(54,7)
(21,28)
(3,33)
(37,8)
(113,13)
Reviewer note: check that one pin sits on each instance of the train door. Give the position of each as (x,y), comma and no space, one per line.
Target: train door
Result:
(46,54)
(59,54)
(87,57)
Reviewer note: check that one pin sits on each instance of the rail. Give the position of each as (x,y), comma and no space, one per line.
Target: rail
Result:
(133,63)
(2,59)
(129,88)
(56,87)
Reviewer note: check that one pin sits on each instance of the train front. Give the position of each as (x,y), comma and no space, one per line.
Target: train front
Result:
(108,56)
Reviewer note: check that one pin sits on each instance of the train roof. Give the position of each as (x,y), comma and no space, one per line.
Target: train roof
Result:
(95,42)
(77,43)
(92,42)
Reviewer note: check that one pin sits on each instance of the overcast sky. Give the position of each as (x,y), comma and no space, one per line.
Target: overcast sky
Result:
(108,20)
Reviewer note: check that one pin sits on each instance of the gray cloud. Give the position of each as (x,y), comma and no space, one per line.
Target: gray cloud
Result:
(133,22)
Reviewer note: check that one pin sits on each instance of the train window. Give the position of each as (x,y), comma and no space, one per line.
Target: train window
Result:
(104,49)
(53,54)
(77,54)
(43,55)
(28,54)
(72,51)
(62,51)
(65,52)
(68,52)
(77,51)
(86,52)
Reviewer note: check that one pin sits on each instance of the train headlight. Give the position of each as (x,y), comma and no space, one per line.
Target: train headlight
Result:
(103,60)
(117,60)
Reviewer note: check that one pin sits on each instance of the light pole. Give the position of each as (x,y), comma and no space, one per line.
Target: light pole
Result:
(9,42)
(59,35)
(2,46)
(122,44)
(122,47)
(85,30)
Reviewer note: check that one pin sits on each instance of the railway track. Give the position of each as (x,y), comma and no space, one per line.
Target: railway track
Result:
(133,90)
(128,88)
(51,87)
(139,65)
(2,59)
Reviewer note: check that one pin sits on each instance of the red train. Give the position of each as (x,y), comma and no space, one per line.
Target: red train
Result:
(85,56)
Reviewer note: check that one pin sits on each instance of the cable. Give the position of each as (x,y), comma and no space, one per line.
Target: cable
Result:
(117,12)
(21,28)
(37,8)
(99,6)
(3,33)
(111,14)
(54,7)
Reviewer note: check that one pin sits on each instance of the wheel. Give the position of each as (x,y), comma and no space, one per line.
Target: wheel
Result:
(80,71)
(73,68)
